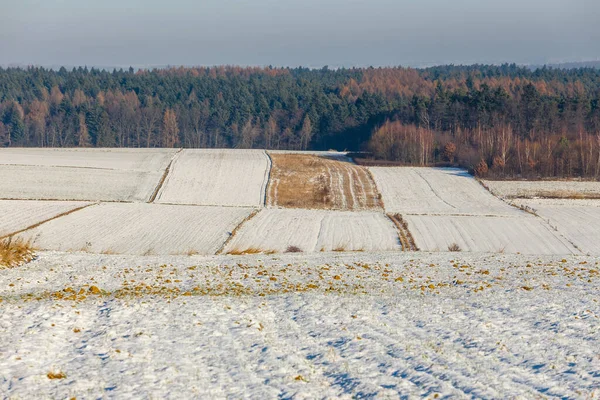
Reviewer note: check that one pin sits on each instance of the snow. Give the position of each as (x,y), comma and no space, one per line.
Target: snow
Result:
(57,183)
(527,234)
(455,325)
(411,190)
(139,228)
(577,220)
(217,177)
(316,230)
(528,189)
(82,174)
(16,215)
(146,160)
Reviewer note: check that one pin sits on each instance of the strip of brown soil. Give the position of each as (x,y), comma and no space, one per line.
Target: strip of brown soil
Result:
(406,238)
(309,181)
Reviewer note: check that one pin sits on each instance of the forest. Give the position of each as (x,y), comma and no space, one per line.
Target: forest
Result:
(499,121)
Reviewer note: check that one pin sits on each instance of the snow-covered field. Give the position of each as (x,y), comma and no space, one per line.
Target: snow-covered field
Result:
(322,326)
(316,230)
(16,215)
(408,190)
(525,234)
(140,228)
(93,175)
(577,220)
(217,177)
(58,183)
(316,324)
(115,159)
(553,189)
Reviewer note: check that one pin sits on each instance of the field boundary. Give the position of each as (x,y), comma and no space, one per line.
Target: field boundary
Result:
(236,229)
(164,177)
(37,224)
(406,238)
(267,181)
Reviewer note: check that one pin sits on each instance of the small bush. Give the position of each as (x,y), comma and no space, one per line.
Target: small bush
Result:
(293,249)
(454,247)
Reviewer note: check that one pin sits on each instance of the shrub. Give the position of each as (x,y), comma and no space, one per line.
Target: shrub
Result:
(293,249)
(481,169)
(454,247)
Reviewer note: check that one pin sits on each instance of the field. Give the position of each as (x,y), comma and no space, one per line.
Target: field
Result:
(94,175)
(320,182)
(408,190)
(526,235)
(341,326)
(217,177)
(17,215)
(142,229)
(246,273)
(545,189)
(275,230)
(578,220)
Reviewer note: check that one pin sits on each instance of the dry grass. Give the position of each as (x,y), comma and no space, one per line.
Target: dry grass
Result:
(14,252)
(251,250)
(309,181)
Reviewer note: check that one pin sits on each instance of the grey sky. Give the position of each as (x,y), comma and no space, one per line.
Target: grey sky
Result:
(297,32)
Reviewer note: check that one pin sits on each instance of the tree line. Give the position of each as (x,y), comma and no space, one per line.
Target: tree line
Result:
(499,120)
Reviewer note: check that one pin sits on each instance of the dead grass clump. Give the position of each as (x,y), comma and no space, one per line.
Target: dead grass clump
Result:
(251,250)
(56,375)
(293,249)
(15,252)
(454,247)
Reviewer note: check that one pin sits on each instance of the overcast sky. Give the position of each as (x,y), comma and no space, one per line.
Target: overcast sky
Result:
(297,32)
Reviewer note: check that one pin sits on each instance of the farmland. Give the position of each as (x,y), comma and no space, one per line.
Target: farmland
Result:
(217,178)
(275,230)
(327,182)
(233,273)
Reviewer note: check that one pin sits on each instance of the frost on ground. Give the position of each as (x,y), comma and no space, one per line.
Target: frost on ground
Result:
(217,177)
(547,189)
(326,326)
(578,220)
(93,175)
(526,234)
(139,229)
(409,190)
(16,215)
(114,159)
(274,230)
(320,182)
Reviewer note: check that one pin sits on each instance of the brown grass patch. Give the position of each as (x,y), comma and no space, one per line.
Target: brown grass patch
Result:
(56,375)
(310,181)
(251,250)
(14,252)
